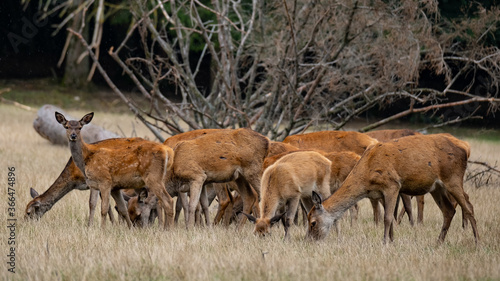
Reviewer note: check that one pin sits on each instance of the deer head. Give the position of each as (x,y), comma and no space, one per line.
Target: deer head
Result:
(319,221)
(34,209)
(73,127)
(263,225)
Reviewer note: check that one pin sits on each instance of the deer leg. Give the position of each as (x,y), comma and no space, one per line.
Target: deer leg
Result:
(197,216)
(446,208)
(420,209)
(111,216)
(223,199)
(407,207)
(178,209)
(390,200)
(195,188)
(221,210)
(376,210)
(159,213)
(292,206)
(165,200)
(204,204)
(249,199)
(94,193)
(121,206)
(464,220)
(105,192)
(185,205)
(456,190)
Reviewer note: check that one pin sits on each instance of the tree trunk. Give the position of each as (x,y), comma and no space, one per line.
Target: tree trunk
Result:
(75,71)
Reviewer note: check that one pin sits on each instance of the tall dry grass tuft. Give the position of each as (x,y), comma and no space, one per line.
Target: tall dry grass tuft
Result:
(61,247)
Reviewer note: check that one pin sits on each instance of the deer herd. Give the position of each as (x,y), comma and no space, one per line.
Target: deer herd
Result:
(320,175)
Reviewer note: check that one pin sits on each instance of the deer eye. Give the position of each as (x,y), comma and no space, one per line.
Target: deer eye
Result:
(313,223)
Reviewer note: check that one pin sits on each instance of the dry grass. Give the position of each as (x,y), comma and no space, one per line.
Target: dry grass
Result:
(61,247)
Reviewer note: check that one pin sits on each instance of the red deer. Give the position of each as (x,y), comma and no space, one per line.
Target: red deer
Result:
(230,206)
(221,156)
(226,202)
(388,135)
(332,141)
(291,179)
(122,166)
(70,178)
(413,165)
(276,147)
(142,209)
(172,142)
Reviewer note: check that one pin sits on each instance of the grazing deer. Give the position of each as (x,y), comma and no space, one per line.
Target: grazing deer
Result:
(70,178)
(276,147)
(332,141)
(230,206)
(221,156)
(142,209)
(183,199)
(292,178)
(120,166)
(413,165)
(388,135)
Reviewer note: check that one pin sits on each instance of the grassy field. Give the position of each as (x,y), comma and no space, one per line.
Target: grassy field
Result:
(61,247)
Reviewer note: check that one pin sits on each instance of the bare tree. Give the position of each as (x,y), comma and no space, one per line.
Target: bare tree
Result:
(283,66)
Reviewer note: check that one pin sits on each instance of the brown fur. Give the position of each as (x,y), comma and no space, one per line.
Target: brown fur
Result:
(276,147)
(388,135)
(219,157)
(70,178)
(143,208)
(132,165)
(176,139)
(413,165)
(292,178)
(332,141)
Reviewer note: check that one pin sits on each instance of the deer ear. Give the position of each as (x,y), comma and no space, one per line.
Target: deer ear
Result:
(61,119)
(277,218)
(250,217)
(33,193)
(317,200)
(142,196)
(87,118)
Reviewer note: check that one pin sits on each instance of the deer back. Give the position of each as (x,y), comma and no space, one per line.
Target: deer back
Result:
(414,162)
(387,135)
(332,141)
(220,154)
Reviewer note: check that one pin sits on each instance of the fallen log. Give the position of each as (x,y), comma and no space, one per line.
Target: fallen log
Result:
(46,126)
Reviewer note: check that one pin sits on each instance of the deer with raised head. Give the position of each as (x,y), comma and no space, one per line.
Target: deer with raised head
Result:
(289,180)
(221,156)
(132,165)
(70,178)
(412,165)
(388,135)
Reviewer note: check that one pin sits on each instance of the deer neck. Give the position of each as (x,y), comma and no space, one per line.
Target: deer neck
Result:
(66,182)
(343,199)
(79,152)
